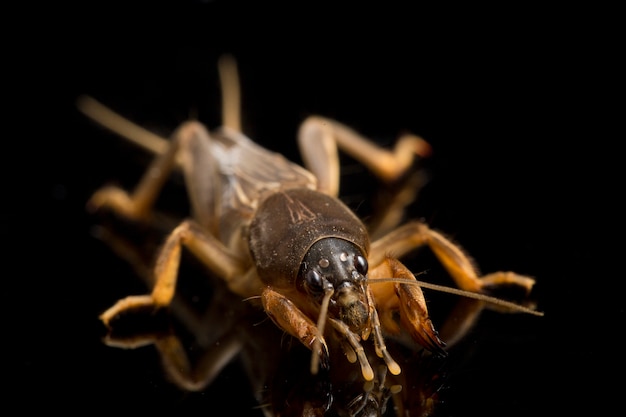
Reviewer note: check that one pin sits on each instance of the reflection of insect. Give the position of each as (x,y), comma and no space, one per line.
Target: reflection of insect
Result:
(277,232)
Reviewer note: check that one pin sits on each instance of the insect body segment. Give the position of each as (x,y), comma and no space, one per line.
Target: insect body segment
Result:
(289,222)
(277,231)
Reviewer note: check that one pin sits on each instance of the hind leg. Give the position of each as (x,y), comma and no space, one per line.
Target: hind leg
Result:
(188,148)
(320,139)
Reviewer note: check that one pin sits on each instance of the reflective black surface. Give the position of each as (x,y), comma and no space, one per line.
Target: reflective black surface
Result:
(507,182)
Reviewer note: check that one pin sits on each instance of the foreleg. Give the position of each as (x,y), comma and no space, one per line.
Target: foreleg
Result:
(405,298)
(291,319)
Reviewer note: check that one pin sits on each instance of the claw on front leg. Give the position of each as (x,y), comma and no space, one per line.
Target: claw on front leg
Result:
(320,353)
(292,320)
(414,314)
(409,300)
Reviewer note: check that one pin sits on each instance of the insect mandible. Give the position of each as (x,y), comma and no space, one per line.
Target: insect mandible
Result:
(277,232)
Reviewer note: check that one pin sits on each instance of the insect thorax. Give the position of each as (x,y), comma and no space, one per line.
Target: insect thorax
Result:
(287,223)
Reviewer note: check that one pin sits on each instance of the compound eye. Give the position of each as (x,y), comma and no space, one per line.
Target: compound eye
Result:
(313,280)
(360,263)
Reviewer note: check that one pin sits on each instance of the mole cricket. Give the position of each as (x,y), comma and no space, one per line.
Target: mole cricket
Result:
(278,234)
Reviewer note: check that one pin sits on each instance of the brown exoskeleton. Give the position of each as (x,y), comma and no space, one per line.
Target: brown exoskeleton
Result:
(277,232)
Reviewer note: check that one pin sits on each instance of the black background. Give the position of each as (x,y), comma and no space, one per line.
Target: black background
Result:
(523,174)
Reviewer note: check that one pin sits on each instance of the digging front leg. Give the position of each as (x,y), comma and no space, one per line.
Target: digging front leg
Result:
(408,300)
(292,320)
(206,248)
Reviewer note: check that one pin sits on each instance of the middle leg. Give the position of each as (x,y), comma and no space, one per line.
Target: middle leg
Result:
(212,253)
(456,262)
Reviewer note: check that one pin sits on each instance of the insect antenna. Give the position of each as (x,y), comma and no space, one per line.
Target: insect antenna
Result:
(321,323)
(468,294)
(253,297)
